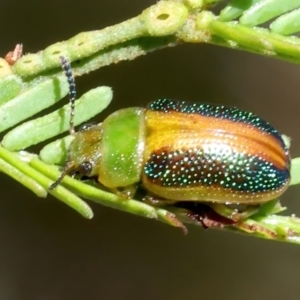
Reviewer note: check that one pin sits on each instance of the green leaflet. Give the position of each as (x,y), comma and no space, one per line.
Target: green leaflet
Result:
(41,129)
(235,9)
(256,12)
(55,153)
(44,94)
(295,171)
(287,24)
(10,87)
(266,10)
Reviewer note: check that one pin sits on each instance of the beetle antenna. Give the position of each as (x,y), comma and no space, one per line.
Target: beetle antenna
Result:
(65,64)
(65,171)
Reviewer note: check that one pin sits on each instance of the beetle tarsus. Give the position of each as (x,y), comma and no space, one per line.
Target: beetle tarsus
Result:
(256,228)
(173,220)
(205,215)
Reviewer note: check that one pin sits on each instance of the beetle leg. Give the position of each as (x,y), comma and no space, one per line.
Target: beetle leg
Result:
(209,218)
(199,213)
(171,219)
(126,192)
(251,226)
(205,215)
(155,201)
(234,212)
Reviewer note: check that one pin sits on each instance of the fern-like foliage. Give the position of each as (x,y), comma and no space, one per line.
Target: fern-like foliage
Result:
(33,82)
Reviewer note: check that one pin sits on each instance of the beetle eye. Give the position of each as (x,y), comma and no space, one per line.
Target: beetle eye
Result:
(86,126)
(85,168)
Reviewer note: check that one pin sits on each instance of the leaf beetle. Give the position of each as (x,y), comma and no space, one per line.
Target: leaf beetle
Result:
(225,158)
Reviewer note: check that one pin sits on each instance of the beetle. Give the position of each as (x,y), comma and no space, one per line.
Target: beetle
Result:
(179,152)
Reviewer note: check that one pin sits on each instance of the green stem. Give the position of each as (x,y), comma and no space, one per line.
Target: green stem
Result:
(107,199)
(164,24)
(260,41)
(61,193)
(25,180)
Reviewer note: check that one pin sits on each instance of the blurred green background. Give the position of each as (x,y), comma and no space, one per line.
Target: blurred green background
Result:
(50,252)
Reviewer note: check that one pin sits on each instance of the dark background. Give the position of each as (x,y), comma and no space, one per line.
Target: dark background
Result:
(47,251)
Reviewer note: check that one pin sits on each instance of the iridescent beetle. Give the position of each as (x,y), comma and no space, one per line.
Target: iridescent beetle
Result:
(182,152)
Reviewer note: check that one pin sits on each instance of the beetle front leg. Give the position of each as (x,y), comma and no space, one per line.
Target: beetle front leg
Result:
(126,192)
(199,213)
(155,201)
